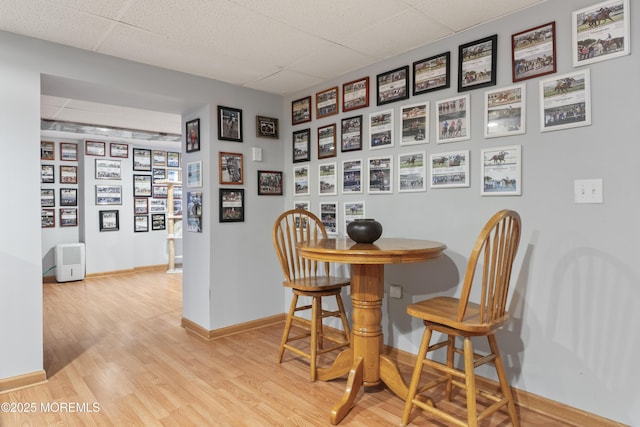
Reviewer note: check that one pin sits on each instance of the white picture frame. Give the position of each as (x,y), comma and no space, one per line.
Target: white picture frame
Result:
(352,175)
(353,210)
(505,111)
(450,169)
(501,171)
(453,118)
(380,175)
(381,130)
(194,174)
(301,180)
(565,101)
(329,217)
(414,124)
(600,32)
(327,179)
(412,169)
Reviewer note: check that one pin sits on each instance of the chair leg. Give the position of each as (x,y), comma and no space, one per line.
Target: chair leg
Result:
(343,317)
(287,327)
(504,383)
(470,381)
(415,377)
(319,325)
(451,350)
(316,323)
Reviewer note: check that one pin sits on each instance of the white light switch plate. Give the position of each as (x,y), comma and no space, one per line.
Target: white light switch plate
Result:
(588,191)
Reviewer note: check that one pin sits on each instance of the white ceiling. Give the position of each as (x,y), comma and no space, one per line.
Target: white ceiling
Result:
(277,46)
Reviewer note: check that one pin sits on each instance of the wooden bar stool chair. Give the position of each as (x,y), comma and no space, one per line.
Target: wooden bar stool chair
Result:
(308,278)
(495,250)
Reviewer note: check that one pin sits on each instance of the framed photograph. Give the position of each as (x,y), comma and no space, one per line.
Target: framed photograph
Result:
(47,174)
(68,197)
(449,170)
(301,110)
(380,175)
(47,150)
(141,185)
(193,135)
(565,101)
(160,191)
(412,169)
(501,171)
(329,217)
(194,174)
(381,129)
(177,192)
(177,208)
(158,222)
(230,168)
(109,220)
(352,176)
(69,217)
(108,169)
(157,205)
(270,183)
(267,127)
(327,141)
(432,73)
(351,134)
(301,204)
(477,63)
(453,117)
(48,218)
(68,152)
(159,174)
(353,210)
(327,103)
(533,52)
(117,149)
(159,158)
(194,211)
(393,85)
(173,159)
(229,124)
(141,223)
(141,159)
(68,174)
(94,148)
(302,145)
(140,205)
(600,32)
(173,175)
(505,111)
(47,197)
(415,124)
(108,194)
(301,180)
(355,94)
(327,179)
(231,205)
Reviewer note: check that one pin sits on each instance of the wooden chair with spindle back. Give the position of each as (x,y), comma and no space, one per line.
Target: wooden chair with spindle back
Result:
(495,250)
(308,278)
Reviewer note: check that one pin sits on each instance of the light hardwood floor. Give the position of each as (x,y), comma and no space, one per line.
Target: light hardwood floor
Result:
(116,342)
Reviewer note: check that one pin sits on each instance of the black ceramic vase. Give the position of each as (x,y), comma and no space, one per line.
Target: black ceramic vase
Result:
(364,230)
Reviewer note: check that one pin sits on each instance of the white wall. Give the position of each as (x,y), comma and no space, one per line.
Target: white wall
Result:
(575,293)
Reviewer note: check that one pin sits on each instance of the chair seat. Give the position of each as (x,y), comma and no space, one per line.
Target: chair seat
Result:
(444,311)
(318,283)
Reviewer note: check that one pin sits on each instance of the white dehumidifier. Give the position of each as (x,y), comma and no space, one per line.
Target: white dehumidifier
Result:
(69,262)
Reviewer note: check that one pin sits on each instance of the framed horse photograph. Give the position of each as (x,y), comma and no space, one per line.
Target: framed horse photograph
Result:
(453,119)
(505,111)
(533,52)
(600,32)
(500,171)
(565,101)
(477,63)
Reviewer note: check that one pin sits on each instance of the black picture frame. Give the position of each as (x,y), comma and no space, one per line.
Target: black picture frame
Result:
(351,134)
(392,85)
(231,205)
(141,223)
(229,124)
(267,127)
(142,159)
(68,197)
(109,220)
(47,198)
(302,145)
(327,141)
(270,183)
(477,63)
(68,217)
(431,74)
(142,185)
(47,174)
(301,110)
(158,221)
(192,136)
